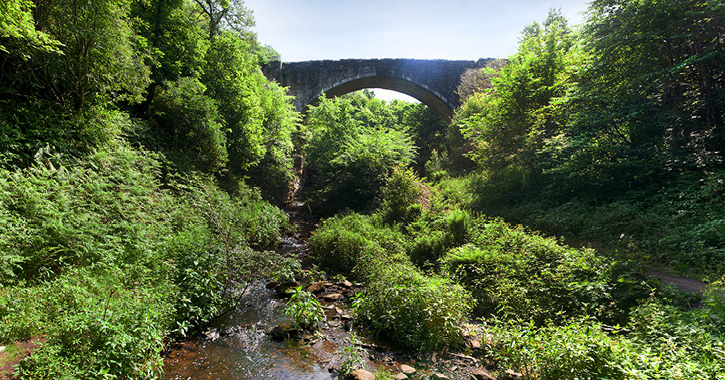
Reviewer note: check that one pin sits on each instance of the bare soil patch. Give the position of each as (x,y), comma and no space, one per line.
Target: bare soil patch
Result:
(686,284)
(13,353)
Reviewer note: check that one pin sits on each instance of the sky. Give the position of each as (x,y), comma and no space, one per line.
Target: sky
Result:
(303,30)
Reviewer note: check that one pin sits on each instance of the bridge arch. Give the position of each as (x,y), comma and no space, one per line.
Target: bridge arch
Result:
(433,82)
(419,91)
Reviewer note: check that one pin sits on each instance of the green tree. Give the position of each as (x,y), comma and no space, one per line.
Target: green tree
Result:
(234,80)
(274,172)
(102,55)
(226,14)
(516,115)
(654,80)
(190,122)
(177,41)
(426,126)
(17,29)
(352,156)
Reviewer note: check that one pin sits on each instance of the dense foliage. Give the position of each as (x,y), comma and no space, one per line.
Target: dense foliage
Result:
(401,303)
(140,144)
(607,134)
(98,247)
(132,134)
(353,146)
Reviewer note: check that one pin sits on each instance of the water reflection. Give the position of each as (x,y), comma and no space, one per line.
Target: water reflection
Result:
(238,348)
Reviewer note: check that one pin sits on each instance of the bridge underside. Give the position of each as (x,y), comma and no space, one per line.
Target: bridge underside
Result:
(422,94)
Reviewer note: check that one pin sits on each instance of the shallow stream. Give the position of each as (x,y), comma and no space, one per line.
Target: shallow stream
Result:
(237,346)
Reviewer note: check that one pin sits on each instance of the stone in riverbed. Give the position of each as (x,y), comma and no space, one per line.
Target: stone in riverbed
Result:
(278,332)
(316,287)
(360,374)
(333,297)
(482,374)
(401,376)
(439,376)
(281,331)
(272,284)
(286,289)
(406,369)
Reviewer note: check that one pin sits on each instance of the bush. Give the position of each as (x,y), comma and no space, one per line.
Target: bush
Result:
(412,310)
(344,242)
(190,122)
(399,302)
(435,237)
(400,197)
(304,309)
(680,342)
(428,248)
(514,273)
(580,349)
(663,342)
(74,214)
(436,168)
(99,320)
(107,262)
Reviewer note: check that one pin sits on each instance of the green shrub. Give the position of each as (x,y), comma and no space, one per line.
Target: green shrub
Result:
(29,131)
(663,342)
(106,207)
(97,322)
(213,259)
(433,238)
(344,242)
(107,262)
(239,219)
(304,309)
(580,349)
(197,276)
(428,248)
(353,356)
(412,310)
(399,302)
(515,273)
(190,122)
(457,224)
(400,197)
(680,343)
(435,167)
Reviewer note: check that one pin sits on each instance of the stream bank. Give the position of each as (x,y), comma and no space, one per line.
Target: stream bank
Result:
(252,343)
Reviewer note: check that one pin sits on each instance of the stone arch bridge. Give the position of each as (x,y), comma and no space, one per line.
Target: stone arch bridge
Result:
(432,82)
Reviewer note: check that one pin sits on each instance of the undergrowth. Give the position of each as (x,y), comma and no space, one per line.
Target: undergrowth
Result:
(109,261)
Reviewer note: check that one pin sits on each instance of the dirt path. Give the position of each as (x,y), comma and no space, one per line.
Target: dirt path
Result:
(686,284)
(10,356)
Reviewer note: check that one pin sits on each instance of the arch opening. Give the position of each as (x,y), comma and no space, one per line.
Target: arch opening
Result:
(391,95)
(422,94)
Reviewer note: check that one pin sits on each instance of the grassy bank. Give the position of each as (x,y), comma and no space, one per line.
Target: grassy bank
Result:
(545,309)
(111,255)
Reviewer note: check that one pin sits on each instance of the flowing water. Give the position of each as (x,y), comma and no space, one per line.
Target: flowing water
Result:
(238,347)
